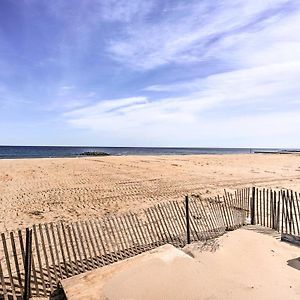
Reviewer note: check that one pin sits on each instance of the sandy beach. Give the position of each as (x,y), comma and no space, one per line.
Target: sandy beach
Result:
(44,190)
(248,263)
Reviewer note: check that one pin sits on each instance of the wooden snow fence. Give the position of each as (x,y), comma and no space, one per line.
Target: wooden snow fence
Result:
(34,260)
(276,209)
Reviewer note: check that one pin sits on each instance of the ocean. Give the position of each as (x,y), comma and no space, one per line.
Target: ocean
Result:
(53,151)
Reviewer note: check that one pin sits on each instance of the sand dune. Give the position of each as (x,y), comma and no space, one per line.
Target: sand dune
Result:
(242,264)
(43,190)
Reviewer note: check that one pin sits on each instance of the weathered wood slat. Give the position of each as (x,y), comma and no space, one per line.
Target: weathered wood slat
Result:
(21,243)
(228,210)
(15,256)
(162,221)
(62,250)
(99,242)
(118,237)
(72,226)
(297,210)
(122,236)
(267,208)
(56,250)
(214,211)
(103,242)
(177,210)
(135,225)
(210,217)
(126,234)
(219,216)
(35,276)
(194,224)
(65,241)
(222,211)
(201,212)
(117,248)
(8,265)
(51,253)
(131,234)
(108,241)
(82,244)
(37,250)
(4,290)
(91,235)
(154,232)
(172,214)
(69,229)
(140,229)
(167,211)
(45,257)
(87,243)
(157,226)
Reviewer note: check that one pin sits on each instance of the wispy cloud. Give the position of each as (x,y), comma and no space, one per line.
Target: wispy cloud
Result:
(157,72)
(193,32)
(257,95)
(260,46)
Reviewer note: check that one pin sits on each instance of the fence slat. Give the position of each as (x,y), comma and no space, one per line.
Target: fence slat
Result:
(153,227)
(72,226)
(8,266)
(107,243)
(82,223)
(45,257)
(21,245)
(139,228)
(5,294)
(82,244)
(51,253)
(117,249)
(62,251)
(89,232)
(56,250)
(73,249)
(123,236)
(98,241)
(297,210)
(179,216)
(102,242)
(67,248)
(13,246)
(37,250)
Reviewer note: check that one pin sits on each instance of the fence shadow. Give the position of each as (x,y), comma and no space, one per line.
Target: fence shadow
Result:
(294,263)
(264,230)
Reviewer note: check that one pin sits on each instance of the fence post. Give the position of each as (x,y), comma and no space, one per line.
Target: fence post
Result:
(187,216)
(28,258)
(252,207)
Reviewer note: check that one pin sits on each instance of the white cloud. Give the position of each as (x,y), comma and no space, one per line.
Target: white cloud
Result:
(194,32)
(193,119)
(256,103)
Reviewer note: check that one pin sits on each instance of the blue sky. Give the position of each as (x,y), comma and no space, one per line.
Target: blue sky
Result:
(150,73)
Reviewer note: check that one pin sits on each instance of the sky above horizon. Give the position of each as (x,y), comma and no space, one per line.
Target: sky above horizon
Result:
(150,73)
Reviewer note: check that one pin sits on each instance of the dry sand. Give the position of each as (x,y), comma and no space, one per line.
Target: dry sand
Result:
(43,190)
(239,265)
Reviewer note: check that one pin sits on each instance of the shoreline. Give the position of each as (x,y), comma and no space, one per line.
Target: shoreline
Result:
(145,155)
(14,152)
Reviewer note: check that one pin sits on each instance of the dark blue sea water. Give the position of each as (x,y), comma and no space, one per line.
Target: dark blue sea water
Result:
(51,151)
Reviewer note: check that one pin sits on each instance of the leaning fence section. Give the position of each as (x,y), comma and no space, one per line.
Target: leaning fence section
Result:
(54,251)
(276,209)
